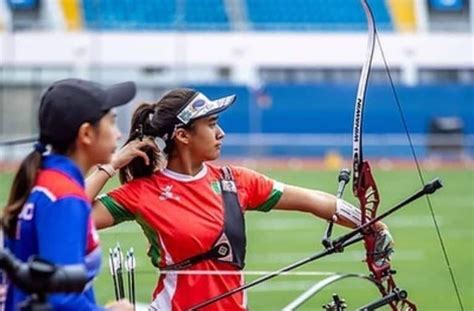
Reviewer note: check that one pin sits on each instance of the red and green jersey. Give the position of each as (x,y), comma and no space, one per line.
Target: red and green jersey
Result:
(182,216)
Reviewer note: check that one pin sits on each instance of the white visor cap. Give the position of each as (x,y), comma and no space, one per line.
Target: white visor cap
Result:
(201,106)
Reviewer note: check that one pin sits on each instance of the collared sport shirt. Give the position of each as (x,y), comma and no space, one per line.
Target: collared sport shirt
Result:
(181,217)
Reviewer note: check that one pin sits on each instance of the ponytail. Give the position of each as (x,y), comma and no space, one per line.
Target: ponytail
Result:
(154,120)
(22,185)
(141,126)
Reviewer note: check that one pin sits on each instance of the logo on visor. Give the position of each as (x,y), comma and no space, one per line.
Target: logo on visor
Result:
(198,103)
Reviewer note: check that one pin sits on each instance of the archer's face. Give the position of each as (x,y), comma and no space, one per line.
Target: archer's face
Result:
(106,138)
(206,139)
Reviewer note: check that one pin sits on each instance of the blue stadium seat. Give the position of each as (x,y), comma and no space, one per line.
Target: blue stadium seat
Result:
(128,14)
(315,15)
(155,15)
(206,15)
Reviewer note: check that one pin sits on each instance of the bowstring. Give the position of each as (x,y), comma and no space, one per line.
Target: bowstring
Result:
(419,171)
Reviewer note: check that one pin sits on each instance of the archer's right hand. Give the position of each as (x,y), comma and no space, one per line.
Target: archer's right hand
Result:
(130,151)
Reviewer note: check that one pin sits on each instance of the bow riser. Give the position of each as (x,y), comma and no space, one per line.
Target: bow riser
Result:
(369,200)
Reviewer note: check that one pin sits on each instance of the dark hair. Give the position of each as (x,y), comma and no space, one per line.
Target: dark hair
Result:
(139,127)
(25,179)
(23,182)
(154,120)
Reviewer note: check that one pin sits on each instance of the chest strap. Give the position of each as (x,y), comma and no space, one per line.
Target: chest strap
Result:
(230,246)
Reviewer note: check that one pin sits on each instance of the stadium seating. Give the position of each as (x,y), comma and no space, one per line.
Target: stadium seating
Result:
(314,14)
(206,14)
(128,14)
(212,15)
(134,15)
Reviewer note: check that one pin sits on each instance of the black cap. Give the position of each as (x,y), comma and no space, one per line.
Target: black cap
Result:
(69,103)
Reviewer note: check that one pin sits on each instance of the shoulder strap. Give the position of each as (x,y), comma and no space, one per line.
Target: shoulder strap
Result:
(234,222)
(231,243)
(59,184)
(227,173)
(228,182)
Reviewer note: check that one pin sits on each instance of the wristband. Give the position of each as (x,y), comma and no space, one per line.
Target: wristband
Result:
(108,169)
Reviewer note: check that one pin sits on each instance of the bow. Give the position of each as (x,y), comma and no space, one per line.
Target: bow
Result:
(365,188)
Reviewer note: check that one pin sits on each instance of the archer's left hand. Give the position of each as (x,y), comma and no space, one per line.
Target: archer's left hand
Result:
(383,245)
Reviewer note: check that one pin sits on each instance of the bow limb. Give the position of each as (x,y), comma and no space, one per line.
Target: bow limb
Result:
(357,155)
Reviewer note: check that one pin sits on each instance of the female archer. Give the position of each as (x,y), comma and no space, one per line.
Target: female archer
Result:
(192,211)
(48,213)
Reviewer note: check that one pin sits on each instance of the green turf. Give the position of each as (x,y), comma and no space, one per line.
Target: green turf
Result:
(279,238)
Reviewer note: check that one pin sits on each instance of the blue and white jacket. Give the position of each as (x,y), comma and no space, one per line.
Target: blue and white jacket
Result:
(55,224)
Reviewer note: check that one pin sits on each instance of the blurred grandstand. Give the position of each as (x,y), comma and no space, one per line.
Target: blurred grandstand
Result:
(294,65)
